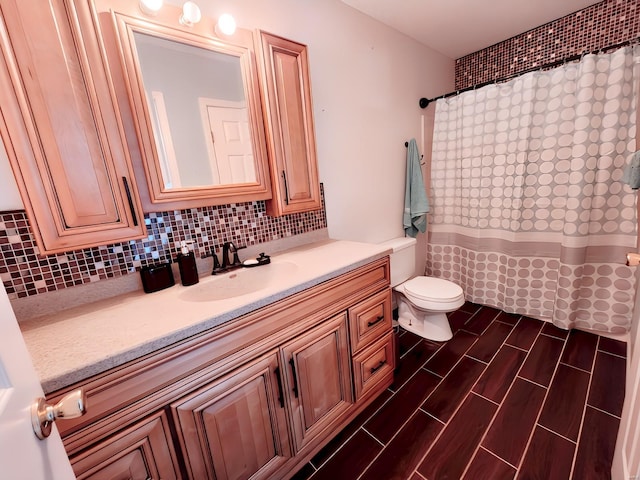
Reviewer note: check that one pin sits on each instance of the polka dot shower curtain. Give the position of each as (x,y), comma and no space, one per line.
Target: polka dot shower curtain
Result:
(529,213)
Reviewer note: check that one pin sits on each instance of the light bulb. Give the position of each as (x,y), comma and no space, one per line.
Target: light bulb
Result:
(226,24)
(190,14)
(150,7)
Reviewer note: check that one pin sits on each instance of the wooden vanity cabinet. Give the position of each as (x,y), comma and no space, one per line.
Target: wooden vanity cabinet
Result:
(372,342)
(140,452)
(235,427)
(255,397)
(319,378)
(60,128)
(290,128)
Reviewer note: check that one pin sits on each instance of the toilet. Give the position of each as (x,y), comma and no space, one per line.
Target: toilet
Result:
(423,302)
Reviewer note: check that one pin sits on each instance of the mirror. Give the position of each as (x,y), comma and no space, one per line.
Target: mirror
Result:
(196,107)
(201,117)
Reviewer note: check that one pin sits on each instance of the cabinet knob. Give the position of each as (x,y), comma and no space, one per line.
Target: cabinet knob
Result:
(43,415)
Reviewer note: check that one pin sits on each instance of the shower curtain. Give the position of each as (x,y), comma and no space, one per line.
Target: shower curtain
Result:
(529,213)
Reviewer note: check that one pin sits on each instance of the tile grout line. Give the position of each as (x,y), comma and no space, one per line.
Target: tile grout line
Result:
(393,394)
(408,418)
(495,414)
(315,470)
(419,408)
(593,361)
(532,382)
(470,392)
(415,474)
(517,467)
(542,405)
(421,367)
(604,411)
(352,435)
(373,437)
(445,424)
(584,408)
(464,354)
(478,360)
(575,442)
(498,457)
(609,353)
(479,446)
(392,438)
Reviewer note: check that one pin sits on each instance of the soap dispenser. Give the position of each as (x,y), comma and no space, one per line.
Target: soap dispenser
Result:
(187,265)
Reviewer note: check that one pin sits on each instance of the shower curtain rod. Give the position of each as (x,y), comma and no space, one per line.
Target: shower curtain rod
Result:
(424,102)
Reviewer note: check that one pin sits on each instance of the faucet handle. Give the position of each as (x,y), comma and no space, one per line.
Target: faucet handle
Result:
(236,258)
(216,262)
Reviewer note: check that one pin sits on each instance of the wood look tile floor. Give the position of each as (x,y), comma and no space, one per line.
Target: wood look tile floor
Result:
(507,397)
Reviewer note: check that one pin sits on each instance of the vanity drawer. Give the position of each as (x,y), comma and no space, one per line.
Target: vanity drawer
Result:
(373,365)
(144,450)
(369,319)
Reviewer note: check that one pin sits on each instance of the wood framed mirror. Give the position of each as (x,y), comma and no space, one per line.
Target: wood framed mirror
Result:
(196,108)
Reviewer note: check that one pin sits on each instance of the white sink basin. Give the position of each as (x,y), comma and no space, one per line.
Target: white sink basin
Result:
(238,282)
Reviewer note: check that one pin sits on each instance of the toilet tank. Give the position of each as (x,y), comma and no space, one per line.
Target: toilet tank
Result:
(402,259)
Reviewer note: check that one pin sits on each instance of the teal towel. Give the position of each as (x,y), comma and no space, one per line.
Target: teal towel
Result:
(631,174)
(416,204)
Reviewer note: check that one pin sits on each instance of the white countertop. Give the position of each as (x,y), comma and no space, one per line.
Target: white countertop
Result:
(75,344)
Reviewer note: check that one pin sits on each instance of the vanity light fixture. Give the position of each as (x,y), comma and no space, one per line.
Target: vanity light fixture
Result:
(226,24)
(190,14)
(150,7)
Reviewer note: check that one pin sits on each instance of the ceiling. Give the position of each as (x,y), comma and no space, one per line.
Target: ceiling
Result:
(458,27)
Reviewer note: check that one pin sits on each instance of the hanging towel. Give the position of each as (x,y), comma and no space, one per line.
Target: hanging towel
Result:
(416,204)
(631,174)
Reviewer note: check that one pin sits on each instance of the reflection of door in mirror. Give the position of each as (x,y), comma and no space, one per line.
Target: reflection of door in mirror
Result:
(212,75)
(164,142)
(226,126)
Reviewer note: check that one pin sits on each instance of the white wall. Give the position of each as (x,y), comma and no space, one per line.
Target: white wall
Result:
(9,195)
(366,81)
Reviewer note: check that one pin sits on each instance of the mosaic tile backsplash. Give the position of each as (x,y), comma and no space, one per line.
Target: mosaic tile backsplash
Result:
(24,272)
(599,26)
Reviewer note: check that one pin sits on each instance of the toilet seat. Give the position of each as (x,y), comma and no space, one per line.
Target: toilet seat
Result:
(433,293)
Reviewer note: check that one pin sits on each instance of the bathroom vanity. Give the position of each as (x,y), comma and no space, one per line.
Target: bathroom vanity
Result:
(245,375)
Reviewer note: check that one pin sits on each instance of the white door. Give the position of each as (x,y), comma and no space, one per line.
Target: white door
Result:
(22,455)
(626,459)
(229,140)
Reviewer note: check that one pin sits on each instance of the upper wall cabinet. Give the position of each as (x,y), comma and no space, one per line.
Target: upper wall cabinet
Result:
(193,102)
(60,127)
(290,129)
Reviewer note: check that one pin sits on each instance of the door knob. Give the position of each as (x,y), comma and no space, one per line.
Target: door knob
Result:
(633,259)
(43,415)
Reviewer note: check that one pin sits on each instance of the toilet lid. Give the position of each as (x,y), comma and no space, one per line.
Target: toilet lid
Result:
(433,289)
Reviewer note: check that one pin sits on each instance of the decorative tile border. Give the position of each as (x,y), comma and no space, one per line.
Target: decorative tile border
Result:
(25,272)
(599,26)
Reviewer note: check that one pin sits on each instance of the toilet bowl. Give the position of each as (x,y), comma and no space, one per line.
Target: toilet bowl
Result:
(423,302)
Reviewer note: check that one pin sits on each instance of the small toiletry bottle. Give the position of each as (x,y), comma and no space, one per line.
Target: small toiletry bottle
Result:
(187,265)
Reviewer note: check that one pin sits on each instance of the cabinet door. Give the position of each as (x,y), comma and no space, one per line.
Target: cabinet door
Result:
(235,428)
(319,378)
(143,451)
(289,119)
(60,127)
